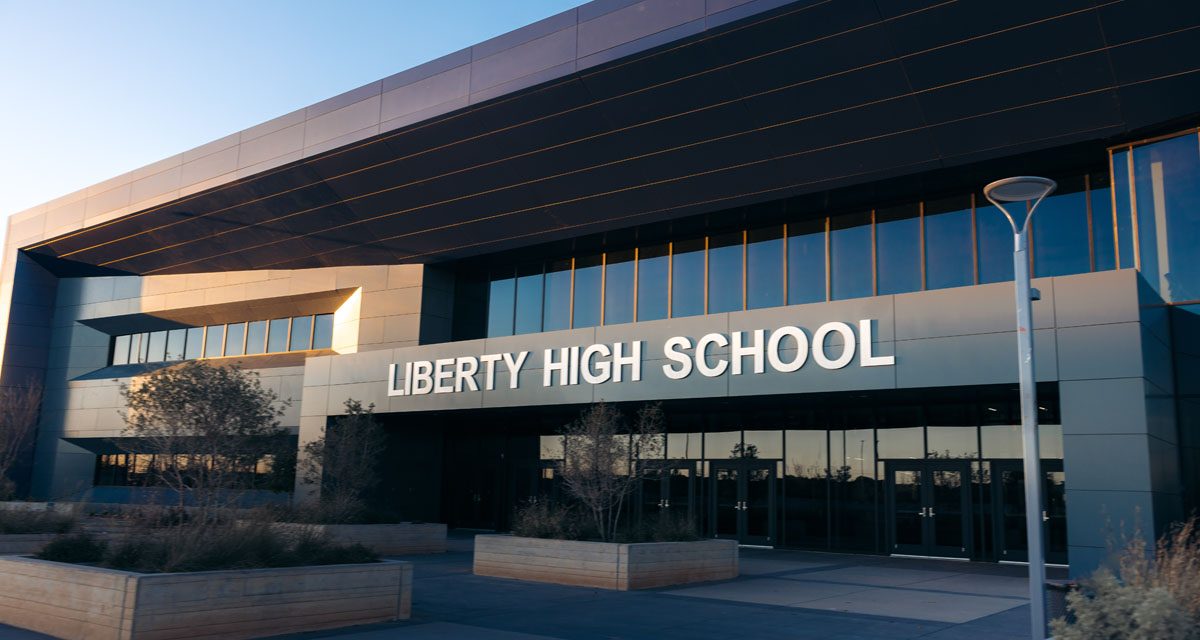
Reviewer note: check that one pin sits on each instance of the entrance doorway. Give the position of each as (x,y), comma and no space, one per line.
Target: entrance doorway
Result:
(1008,500)
(667,488)
(929,507)
(743,501)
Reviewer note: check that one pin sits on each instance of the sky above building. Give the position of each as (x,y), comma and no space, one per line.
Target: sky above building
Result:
(90,90)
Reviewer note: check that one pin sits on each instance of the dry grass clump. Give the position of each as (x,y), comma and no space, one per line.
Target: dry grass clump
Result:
(1151,594)
(18,521)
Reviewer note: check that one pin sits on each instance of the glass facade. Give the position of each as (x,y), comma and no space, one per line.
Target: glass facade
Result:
(948,241)
(221,340)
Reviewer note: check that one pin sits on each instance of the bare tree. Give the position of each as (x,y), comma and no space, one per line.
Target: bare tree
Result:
(600,454)
(344,462)
(209,430)
(18,423)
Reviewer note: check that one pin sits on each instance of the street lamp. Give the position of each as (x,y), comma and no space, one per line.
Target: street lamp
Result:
(1025,189)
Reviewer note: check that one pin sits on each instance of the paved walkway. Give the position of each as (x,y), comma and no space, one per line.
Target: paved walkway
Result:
(780,594)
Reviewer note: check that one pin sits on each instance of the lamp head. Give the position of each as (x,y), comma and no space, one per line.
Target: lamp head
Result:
(1020,188)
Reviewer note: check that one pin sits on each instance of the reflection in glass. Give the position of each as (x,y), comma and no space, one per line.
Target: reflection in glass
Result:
(764,445)
(1060,232)
(618,287)
(277,335)
(501,294)
(806,261)
(195,343)
(853,489)
(684,446)
(898,248)
(725,272)
(764,267)
(301,338)
(157,351)
(556,308)
(143,348)
(588,273)
(949,259)
(1167,187)
(214,340)
(1004,441)
(687,278)
(121,350)
(1100,198)
(722,445)
(850,256)
(952,442)
(1122,188)
(903,443)
(652,270)
(323,331)
(256,337)
(551,447)
(175,343)
(996,241)
(528,315)
(235,336)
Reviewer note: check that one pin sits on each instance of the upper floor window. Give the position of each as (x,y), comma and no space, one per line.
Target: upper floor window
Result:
(299,333)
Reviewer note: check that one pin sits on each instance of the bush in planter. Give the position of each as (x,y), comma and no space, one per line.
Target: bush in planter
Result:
(75,548)
(22,521)
(1149,595)
(665,527)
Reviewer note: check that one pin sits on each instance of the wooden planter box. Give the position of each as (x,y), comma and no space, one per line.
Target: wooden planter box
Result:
(399,539)
(606,565)
(86,603)
(24,543)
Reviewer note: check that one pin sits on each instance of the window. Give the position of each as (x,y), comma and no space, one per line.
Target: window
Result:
(1122,189)
(256,337)
(588,274)
(528,314)
(120,353)
(806,261)
(652,272)
(725,255)
(687,278)
(1103,239)
(996,241)
(194,344)
(898,248)
(277,335)
(214,339)
(323,331)
(1060,231)
(501,295)
(618,287)
(949,256)
(850,256)
(301,338)
(764,267)
(176,338)
(1167,193)
(556,307)
(235,339)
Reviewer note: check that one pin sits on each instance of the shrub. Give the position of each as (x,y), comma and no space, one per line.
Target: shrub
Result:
(543,519)
(1149,595)
(23,521)
(76,548)
(665,527)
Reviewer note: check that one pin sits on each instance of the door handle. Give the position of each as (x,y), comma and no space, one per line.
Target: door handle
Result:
(931,513)
(923,514)
(666,504)
(1045,518)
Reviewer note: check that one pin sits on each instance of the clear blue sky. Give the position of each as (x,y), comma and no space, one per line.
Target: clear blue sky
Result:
(89,90)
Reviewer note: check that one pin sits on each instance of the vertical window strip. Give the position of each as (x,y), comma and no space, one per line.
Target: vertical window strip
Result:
(1133,212)
(1112,193)
(785,299)
(874,258)
(921,241)
(974,241)
(670,278)
(1087,190)
(828,266)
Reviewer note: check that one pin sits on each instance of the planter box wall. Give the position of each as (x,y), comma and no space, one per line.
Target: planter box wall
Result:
(79,602)
(385,539)
(605,565)
(24,543)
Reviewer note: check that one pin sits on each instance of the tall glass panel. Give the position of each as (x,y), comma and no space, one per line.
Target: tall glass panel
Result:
(687,278)
(1103,233)
(235,336)
(949,254)
(853,489)
(528,316)
(996,241)
(684,446)
(723,445)
(898,249)
(176,338)
(277,335)
(214,340)
(158,347)
(301,338)
(806,261)
(764,267)
(1167,189)
(194,346)
(763,445)
(1123,200)
(501,300)
(121,350)
(323,331)
(806,504)
(588,276)
(652,271)
(618,287)
(725,272)
(556,306)
(850,259)
(256,336)
(1060,231)
(1004,441)
(953,442)
(905,443)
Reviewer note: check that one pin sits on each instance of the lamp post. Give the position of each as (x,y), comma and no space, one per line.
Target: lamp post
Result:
(1025,189)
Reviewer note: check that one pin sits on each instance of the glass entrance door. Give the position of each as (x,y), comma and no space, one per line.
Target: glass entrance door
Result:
(929,506)
(743,506)
(1008,491)
(667,489)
